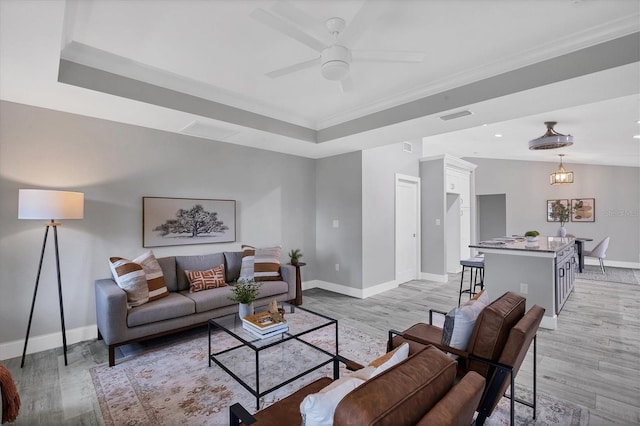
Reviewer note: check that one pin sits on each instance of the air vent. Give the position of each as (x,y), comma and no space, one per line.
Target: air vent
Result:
(208,131)
(456,115)
(407,147)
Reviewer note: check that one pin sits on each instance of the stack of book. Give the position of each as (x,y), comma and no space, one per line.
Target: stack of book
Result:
(263,325)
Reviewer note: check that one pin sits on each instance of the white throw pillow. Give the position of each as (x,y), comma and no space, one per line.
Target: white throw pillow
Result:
(397,355)
(459,322)
(317,409)
(131,278)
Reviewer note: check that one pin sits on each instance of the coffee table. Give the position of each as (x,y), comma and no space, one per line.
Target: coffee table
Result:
(243,361)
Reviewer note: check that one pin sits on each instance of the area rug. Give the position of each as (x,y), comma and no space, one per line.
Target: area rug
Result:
(616,275)
(172,384)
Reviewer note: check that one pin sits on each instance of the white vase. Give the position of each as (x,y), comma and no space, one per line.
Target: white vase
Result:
(562,232)
(245,309)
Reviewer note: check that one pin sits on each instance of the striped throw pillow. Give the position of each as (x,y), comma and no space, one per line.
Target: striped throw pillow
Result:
(204,280)
(266,264)
(131,278)
(155,277)
(246,267)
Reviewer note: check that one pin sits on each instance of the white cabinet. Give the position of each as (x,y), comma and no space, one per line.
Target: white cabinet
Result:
(458,175)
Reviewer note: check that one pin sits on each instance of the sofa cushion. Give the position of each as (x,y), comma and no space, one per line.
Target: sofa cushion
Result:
(131,278)
(205,280)
(210,299)
(272,288)
(173,306)
(317,409)
(233,262)
(168,265)
(402,394)
(195,263)
(155,276)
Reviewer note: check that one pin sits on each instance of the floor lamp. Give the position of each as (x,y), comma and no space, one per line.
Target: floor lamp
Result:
(46,204)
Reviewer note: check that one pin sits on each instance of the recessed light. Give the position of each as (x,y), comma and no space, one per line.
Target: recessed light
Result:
(636,136)
(498,135)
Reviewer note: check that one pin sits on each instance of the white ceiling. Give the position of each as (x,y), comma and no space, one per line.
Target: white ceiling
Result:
(215,51)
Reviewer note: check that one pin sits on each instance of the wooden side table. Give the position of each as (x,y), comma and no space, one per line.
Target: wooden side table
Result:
(298,300)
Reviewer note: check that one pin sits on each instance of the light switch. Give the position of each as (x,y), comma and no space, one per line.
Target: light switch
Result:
(336,223)
(437,222)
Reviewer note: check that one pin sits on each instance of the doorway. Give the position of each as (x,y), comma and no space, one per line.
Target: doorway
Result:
(407,228)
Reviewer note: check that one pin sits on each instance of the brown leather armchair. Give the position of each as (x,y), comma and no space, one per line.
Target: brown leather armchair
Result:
(499,342)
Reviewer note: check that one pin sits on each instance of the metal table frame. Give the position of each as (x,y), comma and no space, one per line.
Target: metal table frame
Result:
(270,342)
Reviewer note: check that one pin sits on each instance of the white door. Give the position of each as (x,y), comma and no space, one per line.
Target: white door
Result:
(407,228)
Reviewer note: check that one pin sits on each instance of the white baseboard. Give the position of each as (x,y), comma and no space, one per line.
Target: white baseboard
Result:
(549,322)
(434,277)
(48,341)
(612,263)
(350,291)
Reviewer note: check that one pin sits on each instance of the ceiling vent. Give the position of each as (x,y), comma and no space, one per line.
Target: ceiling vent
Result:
(456,115)
(551,139)
(407,147)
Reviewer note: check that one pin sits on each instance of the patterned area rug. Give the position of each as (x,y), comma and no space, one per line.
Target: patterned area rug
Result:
(172,383)
(616,275)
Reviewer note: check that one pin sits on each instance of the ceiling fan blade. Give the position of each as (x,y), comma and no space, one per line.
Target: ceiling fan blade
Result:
(293,68)
(346,84)
(363,19)
(286,28)
(287,10)
(386,56)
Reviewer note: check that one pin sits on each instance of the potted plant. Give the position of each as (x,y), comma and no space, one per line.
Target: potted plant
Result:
(561,212)
(245,292)
(531,235)
(295,255)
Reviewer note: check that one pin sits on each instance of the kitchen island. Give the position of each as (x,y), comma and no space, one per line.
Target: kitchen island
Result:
(543,271)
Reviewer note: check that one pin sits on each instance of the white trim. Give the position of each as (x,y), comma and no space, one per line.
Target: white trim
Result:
(47,341)
(613,263)
(515,252)
(434,277)
(350,291)
(414,181)
(549,322)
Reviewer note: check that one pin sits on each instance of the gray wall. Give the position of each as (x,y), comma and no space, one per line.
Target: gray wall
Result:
(115,165)
(339,197)
(432,208)
(379,168)
(492,216)
(615,189)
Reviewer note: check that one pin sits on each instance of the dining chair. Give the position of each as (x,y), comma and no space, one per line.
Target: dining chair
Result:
(599,251)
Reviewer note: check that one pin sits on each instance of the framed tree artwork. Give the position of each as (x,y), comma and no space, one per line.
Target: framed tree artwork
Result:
(584,210)
(181,221)
(553,208)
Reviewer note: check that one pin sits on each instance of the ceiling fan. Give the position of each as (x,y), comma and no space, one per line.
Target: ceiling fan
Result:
(335,55)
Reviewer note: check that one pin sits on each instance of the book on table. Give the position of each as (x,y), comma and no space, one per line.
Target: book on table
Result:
(263,322)
(267,334)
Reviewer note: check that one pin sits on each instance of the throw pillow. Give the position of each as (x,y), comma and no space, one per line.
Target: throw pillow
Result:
(155,277)
(317,409)
(459,322)
(131,278)
(383,363)
(246,267)
(266,265)
(204,280)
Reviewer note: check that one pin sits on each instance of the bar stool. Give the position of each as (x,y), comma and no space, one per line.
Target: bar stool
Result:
(476,266)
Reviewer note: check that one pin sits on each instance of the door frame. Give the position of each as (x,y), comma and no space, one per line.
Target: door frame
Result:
(412,180)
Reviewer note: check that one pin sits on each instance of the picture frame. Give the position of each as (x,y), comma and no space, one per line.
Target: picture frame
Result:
(584,210)
(550,203)
(172,221)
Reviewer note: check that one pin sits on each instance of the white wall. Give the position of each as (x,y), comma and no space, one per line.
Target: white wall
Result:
(617,201)
(115,165)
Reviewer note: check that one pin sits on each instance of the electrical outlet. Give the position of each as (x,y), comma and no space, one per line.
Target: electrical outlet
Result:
(337,267)
(524,288)
(336,223)
(437,222)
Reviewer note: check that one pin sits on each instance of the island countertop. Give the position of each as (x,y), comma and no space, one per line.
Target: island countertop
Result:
(544,244)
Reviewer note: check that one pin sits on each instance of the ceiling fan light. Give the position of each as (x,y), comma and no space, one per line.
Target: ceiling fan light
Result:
(551,139)
(335,70)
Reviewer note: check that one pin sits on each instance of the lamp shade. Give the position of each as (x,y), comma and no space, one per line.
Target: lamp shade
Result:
(48,204)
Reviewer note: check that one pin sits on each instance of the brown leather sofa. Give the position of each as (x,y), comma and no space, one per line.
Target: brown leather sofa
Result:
(420,390)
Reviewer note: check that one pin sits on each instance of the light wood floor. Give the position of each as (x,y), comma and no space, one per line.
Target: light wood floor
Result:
(592,359)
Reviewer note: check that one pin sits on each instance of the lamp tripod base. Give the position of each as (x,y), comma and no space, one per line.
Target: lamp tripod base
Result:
(54,225)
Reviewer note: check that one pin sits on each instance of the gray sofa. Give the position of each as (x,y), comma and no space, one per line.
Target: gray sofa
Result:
(181,310)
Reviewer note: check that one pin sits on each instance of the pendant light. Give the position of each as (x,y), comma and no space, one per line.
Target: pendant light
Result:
(561,176)
(551,139)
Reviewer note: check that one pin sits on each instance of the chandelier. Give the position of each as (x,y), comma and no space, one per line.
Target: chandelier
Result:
(561,176)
